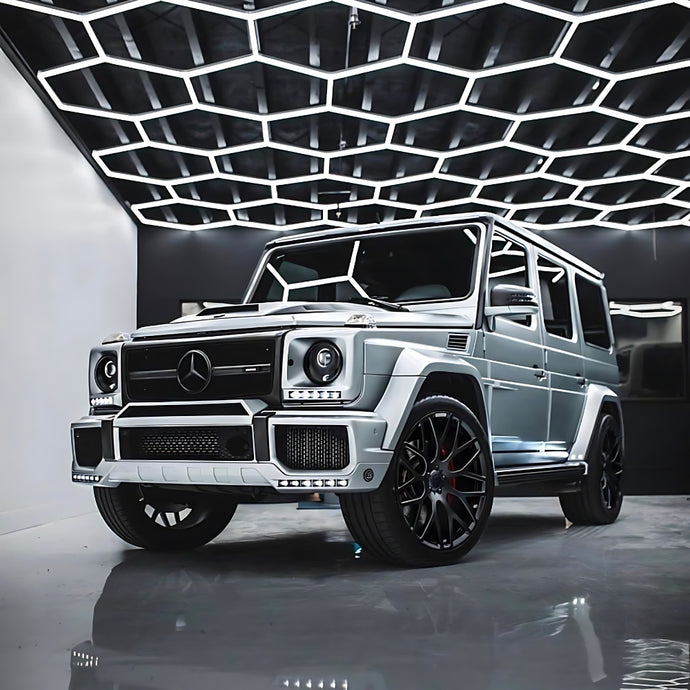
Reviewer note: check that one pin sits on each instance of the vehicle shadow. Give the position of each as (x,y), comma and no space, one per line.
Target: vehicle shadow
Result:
(519,527)
(321,553)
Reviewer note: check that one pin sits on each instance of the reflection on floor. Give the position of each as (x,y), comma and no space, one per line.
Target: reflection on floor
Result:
(282,600)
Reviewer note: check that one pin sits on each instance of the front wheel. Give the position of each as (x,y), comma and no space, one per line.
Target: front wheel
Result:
(599,500)
(435,499)
(163,519)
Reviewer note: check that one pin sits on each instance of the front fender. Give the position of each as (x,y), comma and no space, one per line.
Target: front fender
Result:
(412,367)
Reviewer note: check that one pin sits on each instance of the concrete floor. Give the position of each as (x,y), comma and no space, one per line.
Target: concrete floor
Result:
(280,600)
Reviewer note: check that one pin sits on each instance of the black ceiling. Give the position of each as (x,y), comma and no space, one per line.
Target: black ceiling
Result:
(300,114)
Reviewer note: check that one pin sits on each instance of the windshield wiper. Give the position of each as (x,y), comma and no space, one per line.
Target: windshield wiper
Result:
(374,302)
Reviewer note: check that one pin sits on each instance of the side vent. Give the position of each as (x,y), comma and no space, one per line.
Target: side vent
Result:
(458,341)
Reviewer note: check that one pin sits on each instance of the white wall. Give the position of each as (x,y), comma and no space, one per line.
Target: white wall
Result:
(67,279)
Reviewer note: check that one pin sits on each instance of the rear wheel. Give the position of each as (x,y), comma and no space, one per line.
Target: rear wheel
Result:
(600,498)
(435,499)
(163,519)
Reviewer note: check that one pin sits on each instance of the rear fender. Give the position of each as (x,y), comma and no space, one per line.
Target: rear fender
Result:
(597,397)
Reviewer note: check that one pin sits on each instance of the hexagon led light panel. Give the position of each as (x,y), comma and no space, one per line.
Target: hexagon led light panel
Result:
(307,113)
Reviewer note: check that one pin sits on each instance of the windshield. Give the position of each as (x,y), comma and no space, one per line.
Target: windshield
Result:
(411,266)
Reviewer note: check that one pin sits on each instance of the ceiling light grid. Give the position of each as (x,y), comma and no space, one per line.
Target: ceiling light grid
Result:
(278,129)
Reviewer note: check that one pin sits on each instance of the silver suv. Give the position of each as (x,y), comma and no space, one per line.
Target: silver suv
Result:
(412,369)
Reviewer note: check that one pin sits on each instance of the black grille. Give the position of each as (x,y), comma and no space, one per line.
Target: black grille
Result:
(88,450)
(187,443)
(234,409)
(239,368)
(458,341)
(312,447)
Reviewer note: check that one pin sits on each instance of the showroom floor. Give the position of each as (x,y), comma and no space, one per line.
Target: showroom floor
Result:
(282,599)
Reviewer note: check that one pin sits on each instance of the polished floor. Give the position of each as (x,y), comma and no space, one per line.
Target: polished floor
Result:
(284,599)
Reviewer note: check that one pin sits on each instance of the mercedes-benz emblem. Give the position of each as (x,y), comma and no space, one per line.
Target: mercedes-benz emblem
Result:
(194,371)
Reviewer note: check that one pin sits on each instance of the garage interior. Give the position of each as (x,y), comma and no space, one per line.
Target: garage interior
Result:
(149,150)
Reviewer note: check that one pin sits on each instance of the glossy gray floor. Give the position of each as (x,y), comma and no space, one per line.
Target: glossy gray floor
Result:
(281,600)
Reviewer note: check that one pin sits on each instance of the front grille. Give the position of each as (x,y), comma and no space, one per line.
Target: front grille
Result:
(187,443)
(239,368)
(312,447)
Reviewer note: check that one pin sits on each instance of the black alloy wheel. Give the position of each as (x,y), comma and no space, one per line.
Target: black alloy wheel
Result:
(599,500)
(612,465)
(440,484)
(163,519)
(432,506)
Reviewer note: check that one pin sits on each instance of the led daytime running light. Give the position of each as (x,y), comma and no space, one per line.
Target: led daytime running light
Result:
(312,483)
(312,394)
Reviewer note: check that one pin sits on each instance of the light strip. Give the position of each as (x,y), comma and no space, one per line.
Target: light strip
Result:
(646,310)
(438,159)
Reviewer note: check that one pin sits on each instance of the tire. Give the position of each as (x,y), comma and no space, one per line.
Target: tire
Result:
(163,519)
(599,500)
(435,499)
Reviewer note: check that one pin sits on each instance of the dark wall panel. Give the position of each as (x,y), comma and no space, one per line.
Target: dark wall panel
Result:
(177,265)
(217,264)
(645,265)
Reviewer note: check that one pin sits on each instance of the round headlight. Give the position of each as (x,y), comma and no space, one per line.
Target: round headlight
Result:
(323,362)
(106,373)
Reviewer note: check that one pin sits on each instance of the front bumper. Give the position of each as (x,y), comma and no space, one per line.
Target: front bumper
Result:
(98,457)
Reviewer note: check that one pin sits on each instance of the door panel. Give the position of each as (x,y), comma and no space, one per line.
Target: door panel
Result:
(518,389)
(517,384)
(567,393)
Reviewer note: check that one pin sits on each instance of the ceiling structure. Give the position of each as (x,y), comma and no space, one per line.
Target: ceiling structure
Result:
(307,113)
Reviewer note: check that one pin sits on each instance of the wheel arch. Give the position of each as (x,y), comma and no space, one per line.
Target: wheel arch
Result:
(463,387)
(600,399)
(420,373)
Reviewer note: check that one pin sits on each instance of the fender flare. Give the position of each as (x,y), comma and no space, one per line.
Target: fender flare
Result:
(411,369)
(597,396)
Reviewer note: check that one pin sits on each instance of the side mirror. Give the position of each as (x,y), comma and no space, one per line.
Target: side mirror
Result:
(511,300)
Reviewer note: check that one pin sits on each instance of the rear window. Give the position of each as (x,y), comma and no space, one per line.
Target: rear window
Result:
(590,298)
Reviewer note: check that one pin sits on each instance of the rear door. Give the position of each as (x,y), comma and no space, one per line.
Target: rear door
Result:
(597,341)
(517,383)
(563,351)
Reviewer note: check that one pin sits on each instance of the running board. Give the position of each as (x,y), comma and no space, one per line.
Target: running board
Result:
(569,471)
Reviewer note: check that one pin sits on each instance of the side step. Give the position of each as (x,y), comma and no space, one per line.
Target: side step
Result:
(527,474)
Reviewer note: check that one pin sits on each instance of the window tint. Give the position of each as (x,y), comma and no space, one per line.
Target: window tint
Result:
(555,298)
(508,266)
(592,313)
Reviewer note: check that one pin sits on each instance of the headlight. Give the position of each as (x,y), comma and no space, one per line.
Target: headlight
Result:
(105,373)
(323,362)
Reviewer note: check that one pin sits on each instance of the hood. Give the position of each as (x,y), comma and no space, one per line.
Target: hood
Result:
(285,315)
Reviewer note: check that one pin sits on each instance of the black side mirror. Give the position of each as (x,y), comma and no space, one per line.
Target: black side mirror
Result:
(510,300)
(513,296)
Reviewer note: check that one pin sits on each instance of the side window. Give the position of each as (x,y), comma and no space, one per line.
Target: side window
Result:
(555,298)
(508,266)
(592,313)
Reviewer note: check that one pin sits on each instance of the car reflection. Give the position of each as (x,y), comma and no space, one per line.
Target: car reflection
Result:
(198,622)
